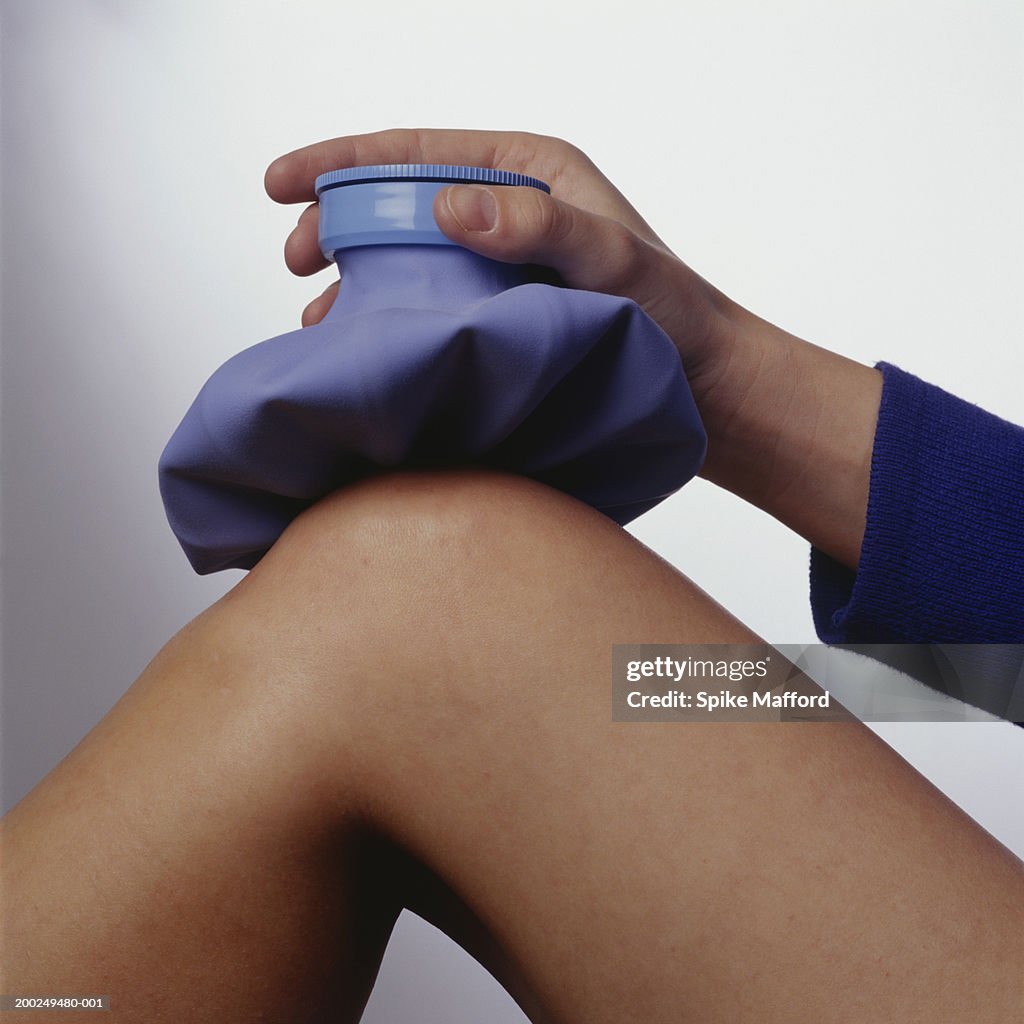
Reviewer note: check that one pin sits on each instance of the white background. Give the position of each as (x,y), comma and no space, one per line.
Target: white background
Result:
(852,172)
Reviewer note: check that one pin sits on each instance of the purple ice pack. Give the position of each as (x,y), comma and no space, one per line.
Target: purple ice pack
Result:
(430,356)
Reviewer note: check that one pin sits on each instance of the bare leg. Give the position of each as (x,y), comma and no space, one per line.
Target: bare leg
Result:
(428,658)
(190,860)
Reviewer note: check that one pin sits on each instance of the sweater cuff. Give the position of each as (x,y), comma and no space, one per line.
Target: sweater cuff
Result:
(943,554)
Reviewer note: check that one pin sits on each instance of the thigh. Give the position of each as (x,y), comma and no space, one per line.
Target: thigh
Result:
(187,860)
(609,871)
(421,664)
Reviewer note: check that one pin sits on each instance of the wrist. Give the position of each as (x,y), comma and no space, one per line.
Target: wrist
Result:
(791,430)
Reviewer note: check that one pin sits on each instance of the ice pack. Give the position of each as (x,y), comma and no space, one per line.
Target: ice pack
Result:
(430,356)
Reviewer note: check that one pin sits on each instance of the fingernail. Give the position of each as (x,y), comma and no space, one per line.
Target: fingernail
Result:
(474,207)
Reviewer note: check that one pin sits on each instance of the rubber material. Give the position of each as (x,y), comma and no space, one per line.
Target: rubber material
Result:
(431,356)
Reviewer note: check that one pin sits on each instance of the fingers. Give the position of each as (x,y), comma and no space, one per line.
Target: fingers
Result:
(585,230)
(289,179)
(570,173)
(317,309)
(525,225)
(302,253)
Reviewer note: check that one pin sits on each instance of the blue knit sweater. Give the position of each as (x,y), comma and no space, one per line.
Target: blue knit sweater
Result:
(943,553)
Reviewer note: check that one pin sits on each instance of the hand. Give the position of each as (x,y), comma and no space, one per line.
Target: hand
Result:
(790,426)
(585,230)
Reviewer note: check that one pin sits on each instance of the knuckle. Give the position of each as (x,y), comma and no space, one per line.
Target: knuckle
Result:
(552,221)
(559,148)
(528,219)
(401,139)
(549,155)
(572,153)
(556,223)
(623,260)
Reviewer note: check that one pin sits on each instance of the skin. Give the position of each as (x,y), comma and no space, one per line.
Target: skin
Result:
(790,425)
(405,704)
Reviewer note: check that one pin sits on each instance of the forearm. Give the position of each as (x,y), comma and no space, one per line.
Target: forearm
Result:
(791,428)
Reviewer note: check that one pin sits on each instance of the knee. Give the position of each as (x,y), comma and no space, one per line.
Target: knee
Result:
(390,567)
(417,605)
(391,594)
(411,548)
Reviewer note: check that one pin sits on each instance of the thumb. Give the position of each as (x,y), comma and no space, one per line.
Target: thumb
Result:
(526,225)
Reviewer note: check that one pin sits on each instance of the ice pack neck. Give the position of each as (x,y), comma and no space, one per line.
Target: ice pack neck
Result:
(431,356)
(369,215)
(392,204)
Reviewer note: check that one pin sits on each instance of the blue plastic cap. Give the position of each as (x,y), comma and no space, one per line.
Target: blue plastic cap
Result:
(392,204)
(447,173)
